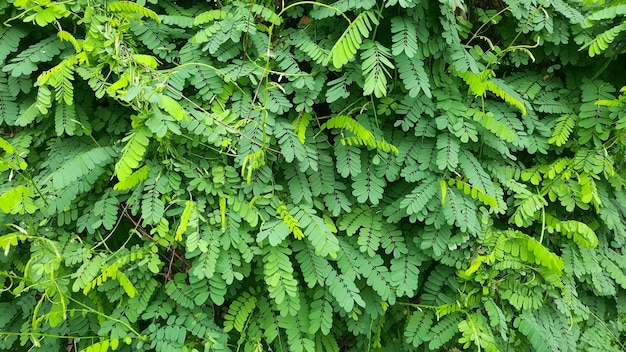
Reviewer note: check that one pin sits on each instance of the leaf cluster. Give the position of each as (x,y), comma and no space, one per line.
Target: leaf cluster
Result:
(391,175)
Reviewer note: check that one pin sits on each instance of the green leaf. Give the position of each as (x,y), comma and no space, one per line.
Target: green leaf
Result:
(184,220)
(315,269)
(172,107)
(413,75)
(564,127)
(209,16)
(404,37)
(475,330)
(9,40)
(281,284)
(133,152)
(132,8)
(489,121)
(26,61)
(344,290)
(580,232)
(126,284)
(348,160)
(318,233)
(367,186)
(484,82)
(239,312)
(18,200)
(8,241)
(133,179)
(80,166)
(376,66)
(418,327)
(448,147)
(475,173)
(294,149)
(443,331)
(275,231)
(420,195)
(347,45)
(321,313)
(404,274)
(602,41)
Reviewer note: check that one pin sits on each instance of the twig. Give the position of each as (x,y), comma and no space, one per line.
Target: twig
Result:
(145,233)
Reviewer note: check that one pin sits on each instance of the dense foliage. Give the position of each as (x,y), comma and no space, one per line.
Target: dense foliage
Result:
(363,175)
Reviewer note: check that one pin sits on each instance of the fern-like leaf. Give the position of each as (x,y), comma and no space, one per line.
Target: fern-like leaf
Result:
(304,43)
(133,152)
(578,231)
(561,133)
(481,83)
(184,220)
(60,77)
(377,276)
(528,249)
(318,233)
(569,12)
(475,331)
(529,328)
(281,284)
(404,275)
(133,179)
(274,231)
(301,125)
(9,109)
(368,186)
(404,37)
(239,312)
(290,221)
(413,75)
(496,318)
(448,147)
(133,8)
(26,61)
(376,65)
(417,199)
(156,37)
(107,271)
(266,13)
(606,13)
(350,41)
(9,40)
(601,42)
(417,329)
(506,93)
(315,269)
(65,120)
(617,274)
(350,124)
(344,290)
(209,16)
(321,314)
(489,121)
(80,166)
(475,173)
(362,135)
(443,331)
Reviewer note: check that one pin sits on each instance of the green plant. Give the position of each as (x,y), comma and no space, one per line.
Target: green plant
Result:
(311,176)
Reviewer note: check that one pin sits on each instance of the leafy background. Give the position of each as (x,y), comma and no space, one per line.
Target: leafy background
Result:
(397,175)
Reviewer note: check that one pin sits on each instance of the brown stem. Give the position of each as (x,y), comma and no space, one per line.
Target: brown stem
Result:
(145,233)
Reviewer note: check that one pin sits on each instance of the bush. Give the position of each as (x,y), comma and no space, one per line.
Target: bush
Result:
(312,176)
